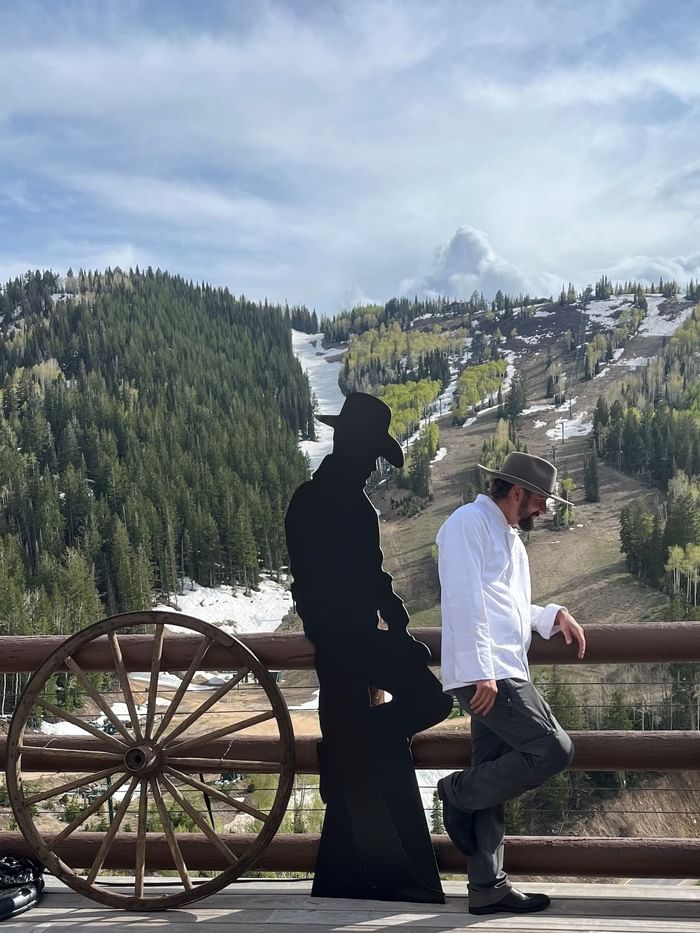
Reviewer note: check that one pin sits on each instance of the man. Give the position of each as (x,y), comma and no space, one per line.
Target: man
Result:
(487,625)
(341,592)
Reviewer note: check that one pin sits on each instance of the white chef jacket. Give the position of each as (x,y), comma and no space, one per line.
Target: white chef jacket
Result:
(487,617)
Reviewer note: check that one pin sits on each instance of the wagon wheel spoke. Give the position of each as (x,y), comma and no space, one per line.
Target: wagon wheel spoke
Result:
(80,756)
(155,671)
(125,685)
(197,819)
(72,785)
(210,765)
(141,840)
(170,835)
(112,832)
(218,795)
(106,739)
(225,730)
(207,705)
(88,811)
(182,689)
(97,697)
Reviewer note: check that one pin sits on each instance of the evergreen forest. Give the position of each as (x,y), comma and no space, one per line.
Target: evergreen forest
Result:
(149,432)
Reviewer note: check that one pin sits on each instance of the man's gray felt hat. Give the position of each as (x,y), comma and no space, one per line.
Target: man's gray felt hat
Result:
(366,419)
(530,472)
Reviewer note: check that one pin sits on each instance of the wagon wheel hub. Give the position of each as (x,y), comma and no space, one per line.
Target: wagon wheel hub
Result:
(144,760)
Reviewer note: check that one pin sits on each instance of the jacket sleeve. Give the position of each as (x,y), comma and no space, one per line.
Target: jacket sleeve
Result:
(465,621)
(542,619)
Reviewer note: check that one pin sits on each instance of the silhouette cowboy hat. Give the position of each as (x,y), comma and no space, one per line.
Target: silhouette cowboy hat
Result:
(366,418)
(530,472)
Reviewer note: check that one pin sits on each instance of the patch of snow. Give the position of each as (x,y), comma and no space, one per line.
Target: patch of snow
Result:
(535,339)
(442,452)
(510,371)
(533,408)
(578,426)
(654,325)
(165,680)
(604,365)
(539,424)
(121,710)
(323,379)
(61,728)
(637,362)
(482,411)
(215,680)
(542,313)
(234,612)
(604,310)
(310,704)
(120,794)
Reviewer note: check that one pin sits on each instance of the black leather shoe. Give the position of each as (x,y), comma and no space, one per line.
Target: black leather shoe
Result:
(458,823)
(515,902)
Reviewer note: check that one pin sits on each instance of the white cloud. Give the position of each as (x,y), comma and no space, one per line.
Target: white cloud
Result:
(651,268)
(468,263)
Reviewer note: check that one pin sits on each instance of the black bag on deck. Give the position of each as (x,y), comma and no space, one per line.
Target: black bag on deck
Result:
(21,885)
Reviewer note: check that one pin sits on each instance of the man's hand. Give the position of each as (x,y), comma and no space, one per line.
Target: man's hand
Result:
(571,630)
(484,698)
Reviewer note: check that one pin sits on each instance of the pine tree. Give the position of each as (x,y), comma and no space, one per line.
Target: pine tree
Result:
(437,825)
(564,510)
(617,715)
(590,478)
(123,570)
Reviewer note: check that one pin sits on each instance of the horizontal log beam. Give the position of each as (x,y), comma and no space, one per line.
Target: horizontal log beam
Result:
(550,855)
(650,642)
(595,751)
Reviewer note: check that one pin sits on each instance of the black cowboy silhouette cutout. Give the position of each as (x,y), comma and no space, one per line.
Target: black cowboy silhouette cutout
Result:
(375,841)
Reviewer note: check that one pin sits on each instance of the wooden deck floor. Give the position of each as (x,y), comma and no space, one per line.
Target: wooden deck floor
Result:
(286,907)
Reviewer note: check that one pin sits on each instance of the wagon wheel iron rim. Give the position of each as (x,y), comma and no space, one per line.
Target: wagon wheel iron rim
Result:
(149,758)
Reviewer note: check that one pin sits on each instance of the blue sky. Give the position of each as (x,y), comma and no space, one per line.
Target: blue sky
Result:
(326,152)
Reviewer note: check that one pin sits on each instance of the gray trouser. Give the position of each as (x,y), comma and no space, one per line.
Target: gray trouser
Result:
(515,747)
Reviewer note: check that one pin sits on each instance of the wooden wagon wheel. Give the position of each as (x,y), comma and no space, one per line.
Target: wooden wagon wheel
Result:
(150,750)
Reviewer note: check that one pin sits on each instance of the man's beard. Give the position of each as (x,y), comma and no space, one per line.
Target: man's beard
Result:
(527,523)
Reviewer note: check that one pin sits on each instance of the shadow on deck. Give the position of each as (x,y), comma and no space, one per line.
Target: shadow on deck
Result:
(283,907)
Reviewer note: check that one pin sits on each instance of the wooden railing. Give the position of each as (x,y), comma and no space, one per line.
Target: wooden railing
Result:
(595,751)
